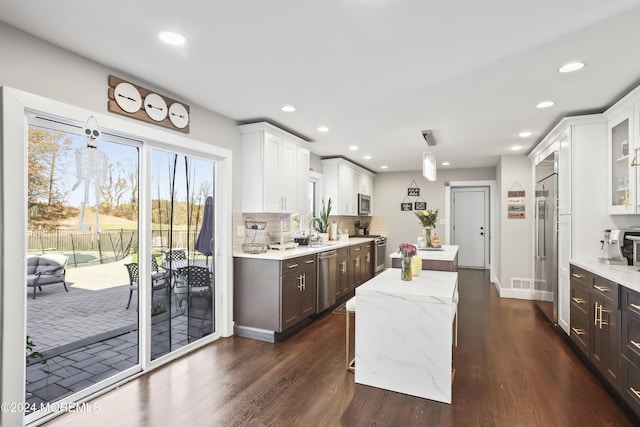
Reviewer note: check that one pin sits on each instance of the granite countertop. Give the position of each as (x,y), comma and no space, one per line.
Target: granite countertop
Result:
(279,255)
(446,253)
(437,287)
(625,275)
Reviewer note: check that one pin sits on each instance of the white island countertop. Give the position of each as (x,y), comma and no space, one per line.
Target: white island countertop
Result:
(405,333)
(445,253)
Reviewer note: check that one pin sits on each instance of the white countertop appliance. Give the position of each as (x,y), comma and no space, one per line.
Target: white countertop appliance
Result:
(618,246)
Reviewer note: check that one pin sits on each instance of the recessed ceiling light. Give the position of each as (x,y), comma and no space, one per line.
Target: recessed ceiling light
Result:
(570,67)
(174,39)
(545,104)
(323,129)
(525,134)
(445,163)
(288,108)
(516,147)
(384,167)
(353,147)
(367,157)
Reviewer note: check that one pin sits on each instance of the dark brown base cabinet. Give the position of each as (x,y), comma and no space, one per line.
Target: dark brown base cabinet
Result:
(605,326)
(272,296)
(630,368)
(354,267)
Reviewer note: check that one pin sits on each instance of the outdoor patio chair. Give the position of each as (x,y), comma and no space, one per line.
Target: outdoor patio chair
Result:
(158,280)
(46,270)
(192,281)
(175,254)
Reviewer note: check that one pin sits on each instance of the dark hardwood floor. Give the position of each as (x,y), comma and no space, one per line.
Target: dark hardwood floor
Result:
(512,370)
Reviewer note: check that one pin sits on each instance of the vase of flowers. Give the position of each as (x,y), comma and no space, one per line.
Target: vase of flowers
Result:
(406,251)
(428,220)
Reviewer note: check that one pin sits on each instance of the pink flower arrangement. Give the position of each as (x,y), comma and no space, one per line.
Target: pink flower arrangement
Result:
(407,249)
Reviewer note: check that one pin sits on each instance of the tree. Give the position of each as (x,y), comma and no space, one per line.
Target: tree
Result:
(44,148)
(112,191)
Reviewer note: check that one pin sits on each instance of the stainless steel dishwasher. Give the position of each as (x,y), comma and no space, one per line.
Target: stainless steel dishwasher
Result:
(326,296)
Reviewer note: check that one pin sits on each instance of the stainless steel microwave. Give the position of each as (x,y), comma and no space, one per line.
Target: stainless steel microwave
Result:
(364,204)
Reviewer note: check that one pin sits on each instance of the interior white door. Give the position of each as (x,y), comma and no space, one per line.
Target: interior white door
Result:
(470,225)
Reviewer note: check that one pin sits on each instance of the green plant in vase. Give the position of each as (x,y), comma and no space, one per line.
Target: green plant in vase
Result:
(321,223)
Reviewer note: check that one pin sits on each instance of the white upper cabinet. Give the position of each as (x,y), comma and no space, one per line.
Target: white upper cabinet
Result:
(275,170)
(343,181)
(623,157)
(622,197)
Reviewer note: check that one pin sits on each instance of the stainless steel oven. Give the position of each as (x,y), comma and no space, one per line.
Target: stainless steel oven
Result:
(380,250)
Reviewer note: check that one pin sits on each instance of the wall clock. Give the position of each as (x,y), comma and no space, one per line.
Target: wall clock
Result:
(134,101)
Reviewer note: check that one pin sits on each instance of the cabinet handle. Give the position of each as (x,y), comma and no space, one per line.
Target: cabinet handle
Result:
(634,391)
(595,314)
(577,276)
(577,300)
(357,262)
(637,345)
(309,261)
(293,266)
(634,162)
(636,306)
(601,321)
(343,267)
(577,331)
(368,257)
(602,288)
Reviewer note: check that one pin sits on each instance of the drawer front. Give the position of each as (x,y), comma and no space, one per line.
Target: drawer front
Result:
(356,250)
(631,301)
(630,384)
(579,332)
(343,252)
(608,289)
(580,276)
(580,301)
(290,265)
(631,337)
(306,261)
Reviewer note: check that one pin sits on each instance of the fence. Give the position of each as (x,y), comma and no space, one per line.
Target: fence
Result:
(86,246)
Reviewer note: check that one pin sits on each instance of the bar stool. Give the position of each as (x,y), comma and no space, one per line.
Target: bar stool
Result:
(350,309)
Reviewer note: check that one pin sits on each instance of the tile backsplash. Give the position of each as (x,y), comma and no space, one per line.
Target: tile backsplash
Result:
(377,225)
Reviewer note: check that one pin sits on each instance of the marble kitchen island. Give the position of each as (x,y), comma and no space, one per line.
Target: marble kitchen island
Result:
(406,333)
(444,258)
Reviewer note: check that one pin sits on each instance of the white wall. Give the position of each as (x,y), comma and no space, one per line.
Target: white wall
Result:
(390,189)
(33,65)
(514,247)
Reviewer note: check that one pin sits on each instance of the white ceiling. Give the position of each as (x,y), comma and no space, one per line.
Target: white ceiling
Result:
(376,72)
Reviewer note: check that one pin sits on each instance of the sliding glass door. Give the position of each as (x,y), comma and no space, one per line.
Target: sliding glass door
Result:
(82,242)
(183,236)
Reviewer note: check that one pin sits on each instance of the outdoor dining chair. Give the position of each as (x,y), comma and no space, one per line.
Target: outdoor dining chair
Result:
(175,254)
(158,280)
(192,281)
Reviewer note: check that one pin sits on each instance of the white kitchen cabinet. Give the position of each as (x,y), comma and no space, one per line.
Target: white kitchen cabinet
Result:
(582,208)
(343,181)
(622,185)
(275,170)
(623,150)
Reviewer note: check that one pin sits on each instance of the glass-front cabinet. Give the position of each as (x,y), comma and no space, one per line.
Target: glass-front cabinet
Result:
(622,160)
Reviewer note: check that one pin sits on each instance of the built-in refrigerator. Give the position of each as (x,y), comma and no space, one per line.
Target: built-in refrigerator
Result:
(545,282)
